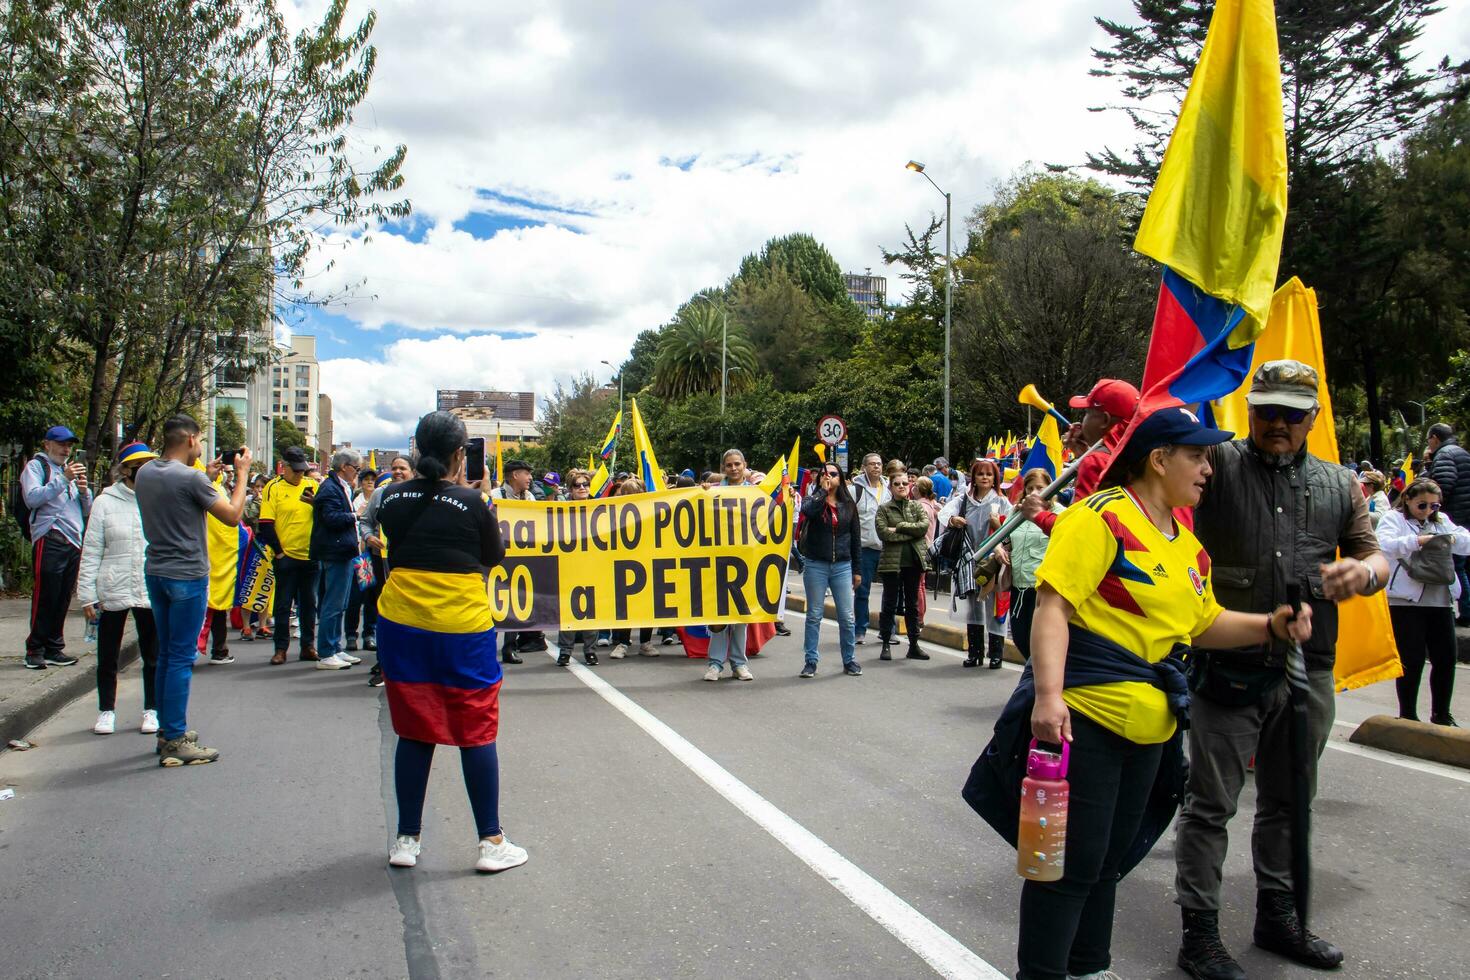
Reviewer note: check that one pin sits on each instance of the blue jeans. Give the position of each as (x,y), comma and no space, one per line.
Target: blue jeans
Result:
(336,581)
(728,644)
(819,577)
(178,612)
(860,614)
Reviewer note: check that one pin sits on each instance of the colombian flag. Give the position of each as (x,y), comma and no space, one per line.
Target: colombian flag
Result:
(600,482)
(611,442)
(1045,454)
(648,471)
(436,642)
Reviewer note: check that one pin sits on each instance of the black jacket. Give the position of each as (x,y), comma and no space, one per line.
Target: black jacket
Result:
(1450,468)
(334,524)
(818,540)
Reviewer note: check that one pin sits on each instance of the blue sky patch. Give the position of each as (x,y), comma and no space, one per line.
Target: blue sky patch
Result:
(483,225)
(684,163)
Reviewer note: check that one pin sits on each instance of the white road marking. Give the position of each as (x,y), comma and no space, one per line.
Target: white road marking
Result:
(946,954)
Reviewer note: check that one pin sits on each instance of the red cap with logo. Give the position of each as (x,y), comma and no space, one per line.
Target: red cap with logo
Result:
(1117,398)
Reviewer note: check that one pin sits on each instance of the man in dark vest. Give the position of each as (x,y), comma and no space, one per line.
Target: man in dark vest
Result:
(1272,515)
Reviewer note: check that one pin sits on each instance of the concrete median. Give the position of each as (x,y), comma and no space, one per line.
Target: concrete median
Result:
(1433,743)
(940,634)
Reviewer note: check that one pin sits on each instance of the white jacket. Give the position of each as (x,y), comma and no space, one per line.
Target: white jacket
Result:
(1399,538)
(111,573)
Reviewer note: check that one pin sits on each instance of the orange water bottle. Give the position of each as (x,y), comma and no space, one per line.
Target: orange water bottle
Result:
(1041,842)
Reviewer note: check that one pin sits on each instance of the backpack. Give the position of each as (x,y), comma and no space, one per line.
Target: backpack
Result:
(18,508)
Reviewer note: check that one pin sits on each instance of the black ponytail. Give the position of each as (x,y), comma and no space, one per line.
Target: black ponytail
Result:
(438,437)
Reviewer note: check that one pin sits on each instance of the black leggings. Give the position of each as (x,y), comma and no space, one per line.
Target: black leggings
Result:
(1067,925)
(109,645)
(906,580)
(481,766)
(1425,632)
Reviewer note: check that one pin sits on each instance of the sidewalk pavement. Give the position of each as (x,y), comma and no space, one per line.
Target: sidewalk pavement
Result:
(29,697)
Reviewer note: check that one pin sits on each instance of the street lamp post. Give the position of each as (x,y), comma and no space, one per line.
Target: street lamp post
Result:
(613,465)
(1420,407)
(918,168)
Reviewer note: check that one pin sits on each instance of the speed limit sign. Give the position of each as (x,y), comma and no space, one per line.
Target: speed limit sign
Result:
(831,430)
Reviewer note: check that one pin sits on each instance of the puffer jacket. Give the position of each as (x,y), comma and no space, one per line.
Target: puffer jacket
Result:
(111,572)
(902,525)
(1450,468)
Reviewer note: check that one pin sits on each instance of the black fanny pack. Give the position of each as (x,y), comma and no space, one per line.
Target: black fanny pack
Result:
(1230,685)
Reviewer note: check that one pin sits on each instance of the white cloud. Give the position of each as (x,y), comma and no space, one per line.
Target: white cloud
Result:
(798,114)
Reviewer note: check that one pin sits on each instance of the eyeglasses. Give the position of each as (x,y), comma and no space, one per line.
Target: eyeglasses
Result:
(579,486)
(1272,413)
(1426,505)
(832,473)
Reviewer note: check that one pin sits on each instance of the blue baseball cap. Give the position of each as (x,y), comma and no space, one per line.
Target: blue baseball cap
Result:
(60,433)
(1176,426)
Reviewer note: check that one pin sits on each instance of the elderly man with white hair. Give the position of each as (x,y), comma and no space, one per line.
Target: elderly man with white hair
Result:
(334,544)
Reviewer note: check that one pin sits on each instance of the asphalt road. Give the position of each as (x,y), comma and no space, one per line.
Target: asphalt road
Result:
(780,828)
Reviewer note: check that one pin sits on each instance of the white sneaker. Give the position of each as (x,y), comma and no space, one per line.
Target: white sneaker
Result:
(500,857)
(603,641)
(743,673)
(333,662)
(106,723)
(647,650)
(405,851)
(149,724)
(349,658)
(619,652)
(712,673)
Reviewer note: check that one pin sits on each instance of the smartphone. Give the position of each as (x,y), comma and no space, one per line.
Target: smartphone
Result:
(474,459)
(228,456)
(80,456)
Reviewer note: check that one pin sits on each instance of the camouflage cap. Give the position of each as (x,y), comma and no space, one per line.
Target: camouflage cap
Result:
(1291,384)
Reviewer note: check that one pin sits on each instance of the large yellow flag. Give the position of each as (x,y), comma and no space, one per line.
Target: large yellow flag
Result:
(1366,652)
(1218,207)
(648,470)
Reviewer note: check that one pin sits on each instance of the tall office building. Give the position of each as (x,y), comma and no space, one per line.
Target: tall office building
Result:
(505,405)
(295,385)
(868,291)
(244,392)
(324,426)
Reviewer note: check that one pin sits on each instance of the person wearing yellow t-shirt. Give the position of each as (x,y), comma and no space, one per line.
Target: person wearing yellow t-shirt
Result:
(1121,576)
(285,526)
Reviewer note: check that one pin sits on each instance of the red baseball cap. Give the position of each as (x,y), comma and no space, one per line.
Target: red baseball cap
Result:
(1117,398)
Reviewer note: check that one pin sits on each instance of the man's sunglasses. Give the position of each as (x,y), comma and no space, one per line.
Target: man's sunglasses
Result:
(1272,413)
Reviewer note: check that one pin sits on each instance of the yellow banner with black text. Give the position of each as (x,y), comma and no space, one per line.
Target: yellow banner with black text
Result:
(674,558)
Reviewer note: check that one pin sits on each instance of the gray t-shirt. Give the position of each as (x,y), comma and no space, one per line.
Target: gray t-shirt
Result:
(173,499)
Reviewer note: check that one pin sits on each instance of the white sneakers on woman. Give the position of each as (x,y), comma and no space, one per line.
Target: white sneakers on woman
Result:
(106,723)
(149,725)
(493,857)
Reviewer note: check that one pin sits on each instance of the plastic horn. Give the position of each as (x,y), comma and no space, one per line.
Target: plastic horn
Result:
(1030,396)
(999,536)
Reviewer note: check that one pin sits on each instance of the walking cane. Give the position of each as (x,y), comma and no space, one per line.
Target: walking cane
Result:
(1301,760)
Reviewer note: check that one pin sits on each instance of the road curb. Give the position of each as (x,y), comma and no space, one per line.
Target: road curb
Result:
(23,712)
(940,634)
(1434,743)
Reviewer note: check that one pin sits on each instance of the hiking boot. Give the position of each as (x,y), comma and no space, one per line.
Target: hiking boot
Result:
(183,751)
(1279,930)
(191,736)
(1203,955)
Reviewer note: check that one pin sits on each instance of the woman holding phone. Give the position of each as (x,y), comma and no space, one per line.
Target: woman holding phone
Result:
(829,540)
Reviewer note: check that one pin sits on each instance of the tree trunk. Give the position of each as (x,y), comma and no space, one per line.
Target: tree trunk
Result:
(97,396)
(1375,422)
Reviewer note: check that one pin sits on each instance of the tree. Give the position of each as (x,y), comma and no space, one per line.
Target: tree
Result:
(1059,298)
(574,421)
(700,348)
(925,267)
(805,260)
(637,371)
(792,333)
(165,174)
(286,435)
(228,432)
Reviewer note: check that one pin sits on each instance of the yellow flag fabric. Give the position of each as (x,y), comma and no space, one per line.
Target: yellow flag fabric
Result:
(648,470)
(373,460)
(1218,208)
(1408,470)
(499,457)
(1366,652)
(599,480)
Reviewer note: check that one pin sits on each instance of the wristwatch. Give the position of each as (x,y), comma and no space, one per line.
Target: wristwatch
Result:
(1372,578)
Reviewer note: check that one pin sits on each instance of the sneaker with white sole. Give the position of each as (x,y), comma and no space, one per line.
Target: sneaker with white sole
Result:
(500,857)
(712,673)
(183,751)
(106,723)
(349,658)
(647,650)
(742,673)
(149,724)
(333,662)
(619,652)
(405,851)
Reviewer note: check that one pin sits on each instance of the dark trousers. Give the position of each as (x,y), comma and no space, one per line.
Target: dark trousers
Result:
(1023,608)
(1425,632)
(109,645)
(296,581)
(362,604)
(55,562)
(904,583)
(217,627)
(1067,925)
(626,636)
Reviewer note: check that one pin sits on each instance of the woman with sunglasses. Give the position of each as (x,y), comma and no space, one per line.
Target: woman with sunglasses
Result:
(110,584)
(902,525)
(1421,542)
(579,488)
(829,540)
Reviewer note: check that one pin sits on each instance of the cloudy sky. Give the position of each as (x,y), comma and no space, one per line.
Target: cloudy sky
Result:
(578,168)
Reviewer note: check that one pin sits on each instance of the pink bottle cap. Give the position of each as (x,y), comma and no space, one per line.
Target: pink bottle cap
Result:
(1041,764)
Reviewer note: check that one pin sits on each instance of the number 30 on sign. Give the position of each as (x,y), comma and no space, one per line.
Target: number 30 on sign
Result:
(831,430)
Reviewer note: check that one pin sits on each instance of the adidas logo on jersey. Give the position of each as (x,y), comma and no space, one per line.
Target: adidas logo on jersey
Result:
(1160,571)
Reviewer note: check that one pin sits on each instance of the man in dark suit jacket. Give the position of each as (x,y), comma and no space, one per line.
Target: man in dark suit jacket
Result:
(333,547)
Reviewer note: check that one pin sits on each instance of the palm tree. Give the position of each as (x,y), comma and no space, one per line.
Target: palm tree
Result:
(689,350)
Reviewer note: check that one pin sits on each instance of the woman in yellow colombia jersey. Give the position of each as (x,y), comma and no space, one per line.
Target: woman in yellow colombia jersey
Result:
(1119,573)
